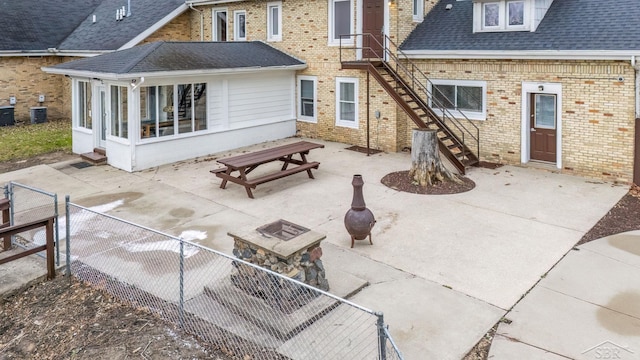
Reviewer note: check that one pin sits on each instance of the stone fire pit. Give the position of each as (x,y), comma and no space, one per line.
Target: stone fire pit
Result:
(283,247)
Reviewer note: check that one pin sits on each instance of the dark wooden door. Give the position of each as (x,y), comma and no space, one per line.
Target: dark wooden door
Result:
(372,25)
(543,127)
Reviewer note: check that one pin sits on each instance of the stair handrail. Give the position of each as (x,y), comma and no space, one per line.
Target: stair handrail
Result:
(474,133)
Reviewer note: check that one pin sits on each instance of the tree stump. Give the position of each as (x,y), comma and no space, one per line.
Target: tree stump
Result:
(426,167)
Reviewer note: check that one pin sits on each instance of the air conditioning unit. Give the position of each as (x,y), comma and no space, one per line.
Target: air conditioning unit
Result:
(38,115)
(7,116)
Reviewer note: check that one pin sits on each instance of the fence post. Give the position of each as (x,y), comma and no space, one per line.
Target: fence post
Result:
(12,204)
(67,234)
(57,229)
(382,339)
(181,310)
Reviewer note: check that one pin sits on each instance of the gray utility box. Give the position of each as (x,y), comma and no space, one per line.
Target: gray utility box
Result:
(38,115)
(7,116)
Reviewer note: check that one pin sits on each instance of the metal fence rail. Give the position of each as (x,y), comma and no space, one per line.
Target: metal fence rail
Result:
(29,204)
(245,309)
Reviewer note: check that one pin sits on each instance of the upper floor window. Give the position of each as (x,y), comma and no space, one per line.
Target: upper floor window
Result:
(459,98)
(240,25)
(502,15)
(340,21)
(220,25)
(418,10)
(274,21)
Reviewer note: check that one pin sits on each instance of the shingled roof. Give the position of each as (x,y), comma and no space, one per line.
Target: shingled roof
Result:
(569,25)
(162,57)
(67,25)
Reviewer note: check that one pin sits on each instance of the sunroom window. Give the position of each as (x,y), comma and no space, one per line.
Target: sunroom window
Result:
(119,116)
(168,110)
(84,105)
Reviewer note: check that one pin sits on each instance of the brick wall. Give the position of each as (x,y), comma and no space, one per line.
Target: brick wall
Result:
(179,29)
(21,77)
(305,36)
(598,111)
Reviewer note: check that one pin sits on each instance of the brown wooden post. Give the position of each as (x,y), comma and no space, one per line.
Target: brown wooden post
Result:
(51,268)
(4,206)
(636,154)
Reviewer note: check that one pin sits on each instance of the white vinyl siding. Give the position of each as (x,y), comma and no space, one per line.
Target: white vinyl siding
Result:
(258,100)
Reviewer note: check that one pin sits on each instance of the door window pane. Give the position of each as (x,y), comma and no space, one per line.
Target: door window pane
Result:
(545,114)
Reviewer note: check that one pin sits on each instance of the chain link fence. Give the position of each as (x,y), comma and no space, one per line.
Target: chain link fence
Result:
(29,204)
(245,309)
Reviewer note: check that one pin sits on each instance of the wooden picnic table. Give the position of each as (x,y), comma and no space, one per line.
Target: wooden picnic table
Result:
(237,167)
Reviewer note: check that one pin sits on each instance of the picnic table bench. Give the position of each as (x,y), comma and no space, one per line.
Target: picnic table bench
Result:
(246,163)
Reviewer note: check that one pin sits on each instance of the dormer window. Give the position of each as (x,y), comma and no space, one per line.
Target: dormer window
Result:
(502,15)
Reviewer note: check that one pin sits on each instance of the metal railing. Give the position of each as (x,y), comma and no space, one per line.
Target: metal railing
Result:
(28,204)
(367,47)
(250,311)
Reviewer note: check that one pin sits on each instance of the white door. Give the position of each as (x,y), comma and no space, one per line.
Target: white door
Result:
(101,126)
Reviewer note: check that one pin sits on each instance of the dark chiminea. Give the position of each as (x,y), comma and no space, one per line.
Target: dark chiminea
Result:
(359,220)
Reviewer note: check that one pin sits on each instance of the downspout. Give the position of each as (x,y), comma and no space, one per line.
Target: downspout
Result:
(636,67)
(201,20)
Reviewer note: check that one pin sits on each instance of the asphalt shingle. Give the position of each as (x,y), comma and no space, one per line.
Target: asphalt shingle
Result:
(568,25)
(183,56)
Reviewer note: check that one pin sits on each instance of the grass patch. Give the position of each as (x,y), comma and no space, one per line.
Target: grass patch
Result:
(24,141)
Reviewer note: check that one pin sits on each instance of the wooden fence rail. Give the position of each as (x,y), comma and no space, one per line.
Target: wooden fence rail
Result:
(47,223)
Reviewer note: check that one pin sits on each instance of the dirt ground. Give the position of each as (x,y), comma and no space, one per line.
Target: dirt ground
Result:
(50,158)
(66,319)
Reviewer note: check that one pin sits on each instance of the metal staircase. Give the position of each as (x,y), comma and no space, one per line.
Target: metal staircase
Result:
(459,138)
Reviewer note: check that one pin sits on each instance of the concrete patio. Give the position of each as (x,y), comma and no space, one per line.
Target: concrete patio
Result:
(444,269)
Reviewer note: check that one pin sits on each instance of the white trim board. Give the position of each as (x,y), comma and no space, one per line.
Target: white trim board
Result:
(525,133)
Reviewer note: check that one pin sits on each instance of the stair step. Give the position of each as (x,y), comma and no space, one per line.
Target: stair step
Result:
(94,157)
(100,151)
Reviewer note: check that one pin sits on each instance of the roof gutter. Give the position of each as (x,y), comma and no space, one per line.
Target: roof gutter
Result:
(50,52)
(212,2)
(201,20)
(167,74)
(520,55)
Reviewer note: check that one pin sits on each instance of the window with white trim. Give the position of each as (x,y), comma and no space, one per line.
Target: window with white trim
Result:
(167,110)
(459,98)
(240,25)
(119,111)
(418,10)
(307,98)
(274,21)
(503,15)
(340,21)
(347,102)
(220,25)
(84,105)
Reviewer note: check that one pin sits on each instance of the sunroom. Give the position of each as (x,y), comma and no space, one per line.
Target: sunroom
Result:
(169,101)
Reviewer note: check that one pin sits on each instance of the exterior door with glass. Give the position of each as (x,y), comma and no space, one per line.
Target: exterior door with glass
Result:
(101,127)
(543,127)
